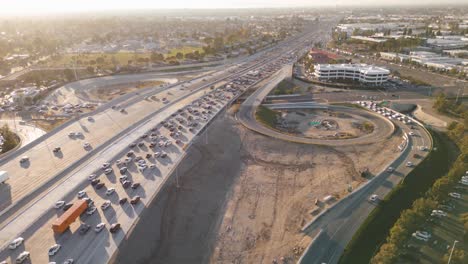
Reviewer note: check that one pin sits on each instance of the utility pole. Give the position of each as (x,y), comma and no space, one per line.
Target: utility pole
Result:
(451,252)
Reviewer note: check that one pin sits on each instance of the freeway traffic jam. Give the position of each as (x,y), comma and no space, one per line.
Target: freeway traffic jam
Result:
(101,201)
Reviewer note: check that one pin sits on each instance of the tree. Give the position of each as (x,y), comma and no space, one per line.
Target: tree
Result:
(155,57)
(458,256)
(179,55)
(386,255)
(90,69)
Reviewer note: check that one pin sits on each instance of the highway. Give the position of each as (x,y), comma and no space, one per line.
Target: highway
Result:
(35,186)
(336,227)
(246,115)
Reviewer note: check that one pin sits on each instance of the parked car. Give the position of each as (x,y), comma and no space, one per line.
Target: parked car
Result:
(455,195)
(67,206)
(91,210)
(22,257)
(99,185)
(123,201)
(81,194)
(135,185)
(110,191)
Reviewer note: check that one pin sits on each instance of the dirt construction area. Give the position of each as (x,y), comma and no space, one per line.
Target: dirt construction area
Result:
(243,198)
(324,124)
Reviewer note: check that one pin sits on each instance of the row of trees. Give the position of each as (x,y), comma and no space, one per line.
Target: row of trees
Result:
(11,140)
(452,107)
(411,219)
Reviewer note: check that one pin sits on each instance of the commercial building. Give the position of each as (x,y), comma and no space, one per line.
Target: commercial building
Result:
(357,72)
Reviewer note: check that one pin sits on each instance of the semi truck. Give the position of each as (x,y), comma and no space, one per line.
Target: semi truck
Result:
(66,219)
(3,176)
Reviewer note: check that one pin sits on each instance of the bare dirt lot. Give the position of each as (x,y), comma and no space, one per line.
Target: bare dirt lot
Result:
(244,197)
(325,124)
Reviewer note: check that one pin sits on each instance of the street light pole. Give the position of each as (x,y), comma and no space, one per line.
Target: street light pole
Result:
(451,252)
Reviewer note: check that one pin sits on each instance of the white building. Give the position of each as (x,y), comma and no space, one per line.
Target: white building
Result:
(359,72)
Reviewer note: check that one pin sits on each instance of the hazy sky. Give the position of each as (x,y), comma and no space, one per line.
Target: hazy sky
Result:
(19,7)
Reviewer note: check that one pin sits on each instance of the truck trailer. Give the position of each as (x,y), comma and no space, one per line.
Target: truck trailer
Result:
(66,219)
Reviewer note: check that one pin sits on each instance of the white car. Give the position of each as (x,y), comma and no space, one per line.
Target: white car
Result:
(68,261)
(110,191)
(455,195)
(59,204)
(390,169)
(418,237)
(16,243)
(54,249)
(91,210)
(157,154)
(22,257)
(409,164)
(411,133)
(81,194)
(424,234)
(105,165)
(373,197)
(99,227)
(106,205)
(108,171)
(91,177)
(86,145)
(78,134)
(438,213)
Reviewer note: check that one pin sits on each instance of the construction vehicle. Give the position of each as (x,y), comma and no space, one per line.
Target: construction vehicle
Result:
(66,219)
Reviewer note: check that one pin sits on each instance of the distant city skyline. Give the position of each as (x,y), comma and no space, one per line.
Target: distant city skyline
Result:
(18,7)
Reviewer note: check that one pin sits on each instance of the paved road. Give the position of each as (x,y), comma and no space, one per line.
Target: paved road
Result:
(246,116)
(340,223)
(109,133)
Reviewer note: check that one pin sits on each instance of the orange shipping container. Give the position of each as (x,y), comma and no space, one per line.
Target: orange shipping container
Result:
(67,218)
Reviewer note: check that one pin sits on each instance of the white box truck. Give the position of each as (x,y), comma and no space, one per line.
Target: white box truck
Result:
(3,176)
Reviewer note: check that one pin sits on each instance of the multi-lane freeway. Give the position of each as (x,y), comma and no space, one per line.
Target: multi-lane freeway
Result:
(48,176)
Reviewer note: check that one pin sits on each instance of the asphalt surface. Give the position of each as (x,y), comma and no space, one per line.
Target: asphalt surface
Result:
(246,115)
(36,185)
(337,226)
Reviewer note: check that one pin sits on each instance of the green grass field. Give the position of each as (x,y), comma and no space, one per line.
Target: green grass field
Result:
(266,116)
(375,229)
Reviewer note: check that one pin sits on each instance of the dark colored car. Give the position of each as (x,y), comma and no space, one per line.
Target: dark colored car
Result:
(130,153)
(99,185)
(123,200)
(148,156)
(95,181)
(126,184)
(84,229)
(135,200)
(67,206)
(57,149)
(135,185)
(114,228)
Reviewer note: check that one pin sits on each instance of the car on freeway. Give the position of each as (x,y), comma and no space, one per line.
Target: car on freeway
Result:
(91,210)
(16,243)
(67,206)
(22,257)
(86,145)
(135,200)
(56,149)
(114,228)
(81,194)
(78,134)
(455,195)
(110,191)
(99,227)
(84,228)
(71,134)
(106,205)
(24,159)
(54,249)
(90,118)
(374,198)
(95,182)
(123,201)
(126,184)
(59,204)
